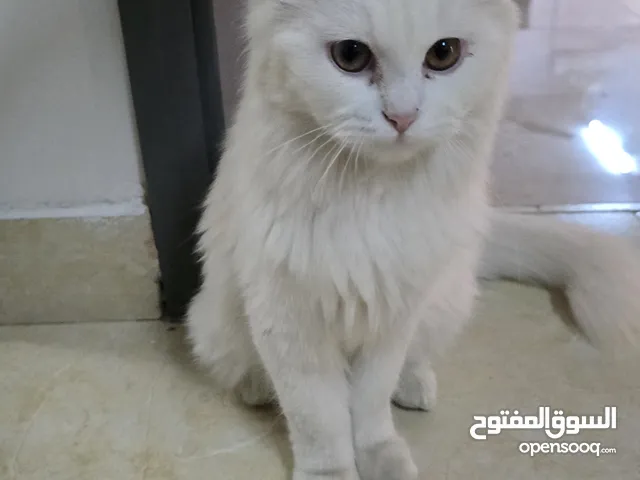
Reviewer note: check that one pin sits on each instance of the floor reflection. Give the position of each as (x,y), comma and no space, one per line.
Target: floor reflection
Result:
(606,146)
(571,133)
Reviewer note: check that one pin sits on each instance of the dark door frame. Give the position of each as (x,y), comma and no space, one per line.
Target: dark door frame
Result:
(173,69)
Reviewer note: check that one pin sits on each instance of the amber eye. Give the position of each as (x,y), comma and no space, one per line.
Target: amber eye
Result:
(444,54)
(351,55)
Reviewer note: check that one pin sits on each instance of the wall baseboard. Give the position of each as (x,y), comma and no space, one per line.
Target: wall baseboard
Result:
(77,269)
(575,208)
(101,210)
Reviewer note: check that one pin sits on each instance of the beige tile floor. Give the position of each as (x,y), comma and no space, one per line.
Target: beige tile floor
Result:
(123,400)
(576,61)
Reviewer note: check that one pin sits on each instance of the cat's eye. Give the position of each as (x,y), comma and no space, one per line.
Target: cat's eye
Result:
(444,54)
(351,55)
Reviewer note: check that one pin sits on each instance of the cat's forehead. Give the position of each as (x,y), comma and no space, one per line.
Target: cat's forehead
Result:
(392,20)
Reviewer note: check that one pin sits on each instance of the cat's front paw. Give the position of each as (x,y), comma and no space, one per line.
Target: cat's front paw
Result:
(417,389)
(389,460)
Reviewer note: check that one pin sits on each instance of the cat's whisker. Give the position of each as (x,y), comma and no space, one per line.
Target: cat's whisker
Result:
(291,140)
(458,147)
(333,148)
(308,144)
(330,128)
(344,145)
(318,149)
(325,131)
(346,165)
(454,147)
(362,138)
(331,163)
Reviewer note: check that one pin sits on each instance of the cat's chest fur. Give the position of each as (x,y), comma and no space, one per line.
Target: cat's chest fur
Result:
(376,246)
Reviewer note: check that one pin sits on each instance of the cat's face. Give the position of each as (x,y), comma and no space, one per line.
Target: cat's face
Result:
(391,77)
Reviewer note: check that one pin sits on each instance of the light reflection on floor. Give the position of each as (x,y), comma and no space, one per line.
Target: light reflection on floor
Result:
(607,147)
(571,133)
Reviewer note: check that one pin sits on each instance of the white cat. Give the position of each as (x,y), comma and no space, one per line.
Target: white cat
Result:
(343,234)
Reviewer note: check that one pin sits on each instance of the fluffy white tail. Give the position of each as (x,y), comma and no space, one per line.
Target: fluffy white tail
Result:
(600,273)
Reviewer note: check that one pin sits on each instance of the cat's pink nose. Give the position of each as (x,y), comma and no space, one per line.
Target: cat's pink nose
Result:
(401,122)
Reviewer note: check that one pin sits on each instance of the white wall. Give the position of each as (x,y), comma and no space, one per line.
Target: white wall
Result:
(67,134)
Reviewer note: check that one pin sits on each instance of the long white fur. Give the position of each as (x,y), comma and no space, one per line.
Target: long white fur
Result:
(599,272)
(338,259)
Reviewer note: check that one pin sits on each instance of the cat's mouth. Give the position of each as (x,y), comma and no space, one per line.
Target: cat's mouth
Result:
(399,141)
(383,148)
(402,139)
(396,150)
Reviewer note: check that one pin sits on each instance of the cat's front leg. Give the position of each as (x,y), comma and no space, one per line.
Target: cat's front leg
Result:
(417,385)
(443,315)
(381,453)
(308,372)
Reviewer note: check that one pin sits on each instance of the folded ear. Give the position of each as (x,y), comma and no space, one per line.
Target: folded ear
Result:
(261,12)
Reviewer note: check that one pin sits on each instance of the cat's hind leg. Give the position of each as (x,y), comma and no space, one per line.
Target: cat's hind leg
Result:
(446,313)
(221,341)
